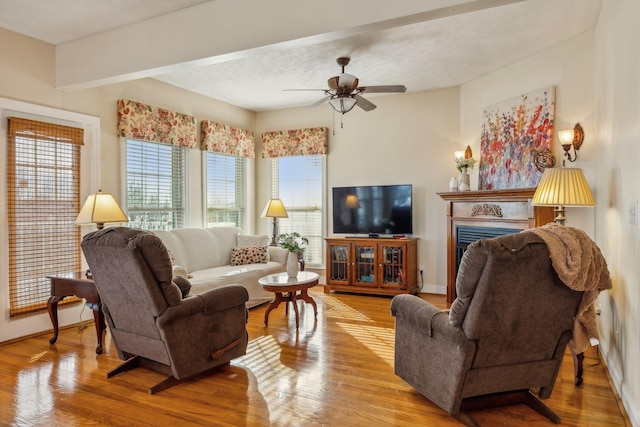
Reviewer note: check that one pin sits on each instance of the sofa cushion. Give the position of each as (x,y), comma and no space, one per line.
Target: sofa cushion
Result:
(251,240)
(251,255)
(247,275)
(248,240)
(200,248)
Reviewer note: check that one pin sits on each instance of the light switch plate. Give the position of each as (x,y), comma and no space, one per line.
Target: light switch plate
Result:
(633,212)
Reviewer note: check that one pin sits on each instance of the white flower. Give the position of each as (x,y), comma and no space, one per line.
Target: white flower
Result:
(465,163)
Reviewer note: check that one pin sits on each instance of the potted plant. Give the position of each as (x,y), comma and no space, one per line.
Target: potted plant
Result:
(295,244)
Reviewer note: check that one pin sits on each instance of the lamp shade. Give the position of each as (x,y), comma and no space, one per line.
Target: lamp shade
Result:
(563,187)
(99,209)
(274,209)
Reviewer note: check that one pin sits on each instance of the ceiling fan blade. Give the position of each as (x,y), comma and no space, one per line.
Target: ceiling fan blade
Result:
(383,89)
(363,103)
(314,90)
(321,101)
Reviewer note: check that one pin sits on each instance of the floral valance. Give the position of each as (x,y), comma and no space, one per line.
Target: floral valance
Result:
(144,122)
(225,139)
(295,142)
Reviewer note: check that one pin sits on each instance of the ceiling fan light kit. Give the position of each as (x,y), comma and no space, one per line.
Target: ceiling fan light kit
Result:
(344,93)
(343,104)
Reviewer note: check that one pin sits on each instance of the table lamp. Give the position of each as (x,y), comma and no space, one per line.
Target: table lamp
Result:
(560,187)
(99,209)
(274,209)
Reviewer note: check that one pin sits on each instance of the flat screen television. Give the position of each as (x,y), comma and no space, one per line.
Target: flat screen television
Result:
(373,210)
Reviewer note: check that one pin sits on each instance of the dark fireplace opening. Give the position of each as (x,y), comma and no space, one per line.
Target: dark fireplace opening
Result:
(465,235)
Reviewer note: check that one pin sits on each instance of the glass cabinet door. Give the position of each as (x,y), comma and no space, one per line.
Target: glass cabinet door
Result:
(339,259)
(365,265)
(392,265)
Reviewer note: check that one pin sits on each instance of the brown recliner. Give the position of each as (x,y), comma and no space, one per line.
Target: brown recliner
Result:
(151,323)
(504,335)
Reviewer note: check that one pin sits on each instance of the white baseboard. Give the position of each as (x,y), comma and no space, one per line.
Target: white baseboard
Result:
(433,289)
(620,386)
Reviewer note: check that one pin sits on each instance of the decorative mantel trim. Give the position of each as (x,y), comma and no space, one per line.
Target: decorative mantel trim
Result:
(487,209)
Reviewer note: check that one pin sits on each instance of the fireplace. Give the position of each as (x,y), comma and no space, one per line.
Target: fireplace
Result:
(466,235)
(473,215)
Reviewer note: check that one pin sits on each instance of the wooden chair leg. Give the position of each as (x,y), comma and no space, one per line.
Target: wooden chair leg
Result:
(164,384)
(502,399)
(128,365)
(533,402)
(466,419)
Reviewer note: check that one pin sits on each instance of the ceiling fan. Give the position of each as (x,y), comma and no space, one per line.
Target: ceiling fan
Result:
(344,93)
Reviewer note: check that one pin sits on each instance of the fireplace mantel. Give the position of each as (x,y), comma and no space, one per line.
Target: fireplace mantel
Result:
(510,208)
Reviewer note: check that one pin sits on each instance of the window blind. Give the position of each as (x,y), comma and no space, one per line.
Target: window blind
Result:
(298,180)
(155,185)
(225,189)
(43,201)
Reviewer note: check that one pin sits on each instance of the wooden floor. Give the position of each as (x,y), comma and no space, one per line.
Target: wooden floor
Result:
(334,371)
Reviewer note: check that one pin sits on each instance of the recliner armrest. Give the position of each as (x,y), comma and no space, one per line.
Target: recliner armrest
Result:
(212,301)
(223,298)
(425,316)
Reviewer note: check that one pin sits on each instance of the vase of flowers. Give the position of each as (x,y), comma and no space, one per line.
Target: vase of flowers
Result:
(295,244)
(463,165)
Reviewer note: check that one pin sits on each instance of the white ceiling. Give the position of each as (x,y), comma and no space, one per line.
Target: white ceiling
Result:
(452,44)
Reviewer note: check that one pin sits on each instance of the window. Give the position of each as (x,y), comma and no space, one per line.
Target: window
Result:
(155,185)
(43,201)
(225,187)
(298,181)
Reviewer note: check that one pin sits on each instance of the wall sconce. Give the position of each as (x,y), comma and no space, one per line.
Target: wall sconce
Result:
(571,137)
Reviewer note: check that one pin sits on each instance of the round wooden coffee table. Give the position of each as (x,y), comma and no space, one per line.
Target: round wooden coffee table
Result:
(281,283)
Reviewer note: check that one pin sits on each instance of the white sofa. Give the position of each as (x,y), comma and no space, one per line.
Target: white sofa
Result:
(205,256)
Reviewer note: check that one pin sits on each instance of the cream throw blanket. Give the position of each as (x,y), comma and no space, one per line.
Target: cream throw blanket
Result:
(580,265)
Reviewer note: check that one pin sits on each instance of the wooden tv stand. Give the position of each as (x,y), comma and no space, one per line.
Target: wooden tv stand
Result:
(379,266)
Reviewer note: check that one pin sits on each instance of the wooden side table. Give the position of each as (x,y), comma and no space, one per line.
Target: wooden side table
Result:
(82,287)
(281,283)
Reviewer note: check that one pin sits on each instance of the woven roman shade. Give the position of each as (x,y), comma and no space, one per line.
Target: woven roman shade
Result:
(43,199)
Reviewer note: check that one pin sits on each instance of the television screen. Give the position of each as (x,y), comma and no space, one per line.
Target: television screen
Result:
(373,209)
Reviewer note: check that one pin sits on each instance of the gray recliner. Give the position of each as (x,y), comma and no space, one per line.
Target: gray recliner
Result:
(504,336)
(151,323)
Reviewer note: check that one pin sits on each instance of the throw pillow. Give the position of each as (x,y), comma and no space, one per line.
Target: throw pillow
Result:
(254,255)
(254,241)
(183,284)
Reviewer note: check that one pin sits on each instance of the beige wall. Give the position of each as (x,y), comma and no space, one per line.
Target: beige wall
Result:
(617,106)
(408,139)
(568,67)
(26,78)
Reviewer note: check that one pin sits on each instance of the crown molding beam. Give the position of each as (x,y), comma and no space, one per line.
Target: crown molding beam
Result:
(223,30)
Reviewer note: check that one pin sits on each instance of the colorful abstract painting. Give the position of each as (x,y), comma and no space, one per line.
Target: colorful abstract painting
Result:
(512,132)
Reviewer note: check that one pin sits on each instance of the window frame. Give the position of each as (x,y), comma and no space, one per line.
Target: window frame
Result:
(244,210)
(283,222)
(185,184)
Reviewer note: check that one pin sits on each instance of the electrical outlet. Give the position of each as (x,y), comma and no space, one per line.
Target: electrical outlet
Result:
(421,269)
